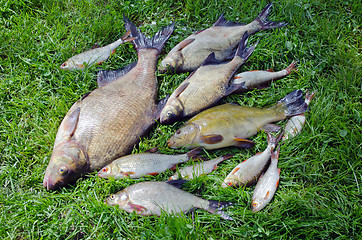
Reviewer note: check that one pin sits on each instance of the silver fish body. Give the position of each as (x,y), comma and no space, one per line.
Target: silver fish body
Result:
(256,78)
(196,170)
(94,56)
(267,184)
(138,165)
(248,171)
(153,198)
(205,86)
(106,123)
(220,39)
(296,123)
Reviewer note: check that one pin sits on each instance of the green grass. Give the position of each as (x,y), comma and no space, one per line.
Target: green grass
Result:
(319,195)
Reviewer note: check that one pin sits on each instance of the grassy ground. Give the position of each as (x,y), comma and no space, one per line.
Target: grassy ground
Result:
(319,196)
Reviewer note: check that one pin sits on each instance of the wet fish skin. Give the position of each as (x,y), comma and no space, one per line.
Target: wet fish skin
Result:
(202,168)
(296,123)
(248,171)
(138,165)
(222,38)
(256,78)
(153,198)
(206,85)
(230,124)
(94,56)
(106,123)
(267,184)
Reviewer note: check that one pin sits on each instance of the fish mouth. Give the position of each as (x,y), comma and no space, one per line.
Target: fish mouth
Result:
(51,185)
(170,143)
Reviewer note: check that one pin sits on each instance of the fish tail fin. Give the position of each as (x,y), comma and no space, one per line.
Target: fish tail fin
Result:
(264,22)
(273,141)
(275,155)
(243,51)
(193,153)
(141,41)
(216,206)
(294,103)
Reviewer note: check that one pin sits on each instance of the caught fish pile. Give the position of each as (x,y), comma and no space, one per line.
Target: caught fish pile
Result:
(100,130)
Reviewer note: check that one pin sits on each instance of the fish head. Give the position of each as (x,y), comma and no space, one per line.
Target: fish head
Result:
(121,199)
(230,181)
(172,111)
(71,65)
(184,137)
(67,163)
(106,171)
(257,204)
(172,62)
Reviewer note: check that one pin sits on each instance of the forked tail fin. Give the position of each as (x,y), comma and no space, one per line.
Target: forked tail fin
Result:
(294,103)
(141,41)
(264,22)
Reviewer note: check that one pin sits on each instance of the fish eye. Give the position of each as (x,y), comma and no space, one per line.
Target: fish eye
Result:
(105,169)
(64,64)
(63,170)
(169,113)
(229,183)
(178,131)
(112,197)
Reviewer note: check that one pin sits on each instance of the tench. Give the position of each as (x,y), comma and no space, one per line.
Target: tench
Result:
(94,56)
(138,165)
(267,184)
(222,38)
(231,124)
(106,123)
(258,78)
(153,198)
(202,168)
(206,85)
(295,124)
(248,171)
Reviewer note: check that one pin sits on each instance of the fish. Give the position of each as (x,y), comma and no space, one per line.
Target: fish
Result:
(231,124)
(221,38)
(138,165)
(206,85)
(295,124)
(257,78)
(106,123)
(202,168)
(155,198)
(267,184)
(94,56)
(248,171)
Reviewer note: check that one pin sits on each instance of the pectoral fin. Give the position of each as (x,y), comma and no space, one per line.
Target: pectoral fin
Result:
(69,125)
(211,139)
(137,208)
(184,43)
(243,143)
(181,88)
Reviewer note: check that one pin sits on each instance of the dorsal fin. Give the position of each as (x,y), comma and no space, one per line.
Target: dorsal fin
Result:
(222,21)
(211,59)
(106,76)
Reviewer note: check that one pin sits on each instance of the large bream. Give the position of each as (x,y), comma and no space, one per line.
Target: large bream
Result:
(108,122)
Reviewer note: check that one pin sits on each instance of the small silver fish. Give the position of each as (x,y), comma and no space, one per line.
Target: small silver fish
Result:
(153,198)
(221,39)
(248,171)
(206,85)
(267,184)
(256,78)
(295,124)
(196,170)
(94,56)
(138,165)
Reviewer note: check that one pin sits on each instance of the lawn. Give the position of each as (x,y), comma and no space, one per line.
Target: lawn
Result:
(319,194)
